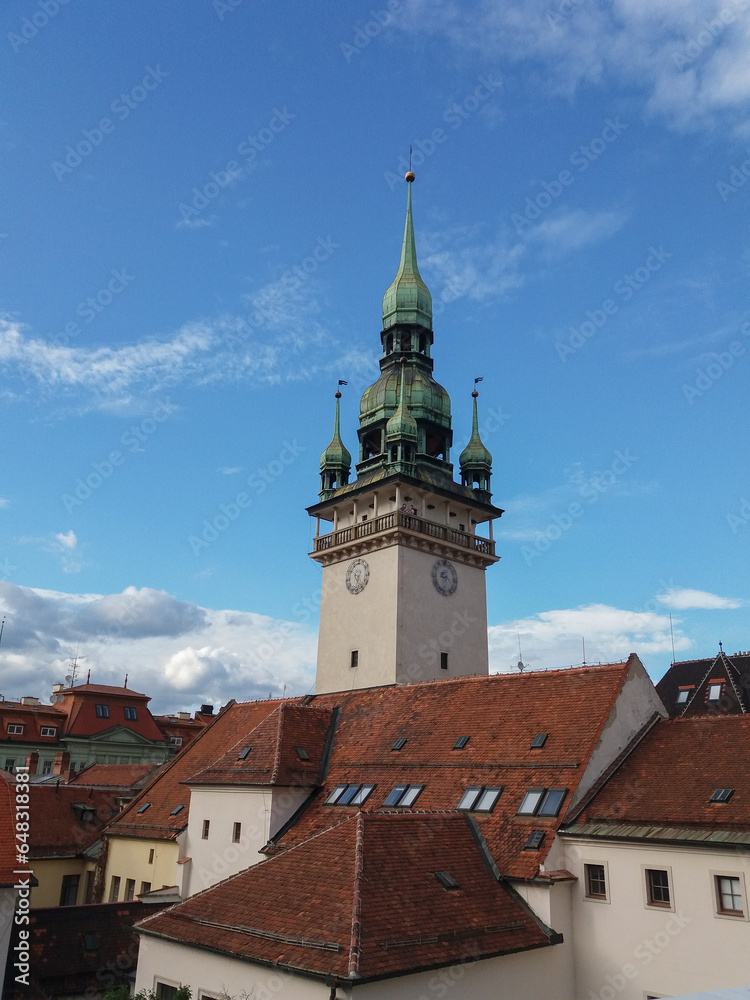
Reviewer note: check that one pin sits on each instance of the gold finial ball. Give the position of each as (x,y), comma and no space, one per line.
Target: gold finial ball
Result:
(475,394)
(409,176)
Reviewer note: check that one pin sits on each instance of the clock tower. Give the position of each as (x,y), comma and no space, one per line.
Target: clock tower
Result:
(401,546)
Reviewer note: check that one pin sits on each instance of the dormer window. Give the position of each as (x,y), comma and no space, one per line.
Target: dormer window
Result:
(130,713)
(714,691)
(15,730)
(49,731)
(102,711)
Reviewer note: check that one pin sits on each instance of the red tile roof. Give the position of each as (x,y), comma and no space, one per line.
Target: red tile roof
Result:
(7,830)
(168,791)
(64,819)
(273,757)
(361,900)
(671,775)
(32,718)
(120,776)
(112,690)
(79,703)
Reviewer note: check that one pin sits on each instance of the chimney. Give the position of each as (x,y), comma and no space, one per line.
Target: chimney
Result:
(183,715)
(29,699)
(32,762)
(207,709)
(62,762)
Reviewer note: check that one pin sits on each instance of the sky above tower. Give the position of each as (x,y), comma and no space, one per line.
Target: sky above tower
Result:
(202,206)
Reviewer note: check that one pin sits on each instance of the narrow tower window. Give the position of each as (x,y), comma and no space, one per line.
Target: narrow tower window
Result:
(443,661)
(354,658)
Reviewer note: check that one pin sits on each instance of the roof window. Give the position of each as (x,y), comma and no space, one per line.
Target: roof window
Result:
(349,795)
(682,696)
(461,742)
(403,795)
(447,881)
(244,752)
(399,744)
(722,795)
(479,799)
(539,740)
(542,802)
(177,809)
(91,942)
(302,753)
(714,691)
(144,807)
(534,840)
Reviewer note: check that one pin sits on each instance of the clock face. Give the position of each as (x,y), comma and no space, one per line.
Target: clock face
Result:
(444,577)
(357,575)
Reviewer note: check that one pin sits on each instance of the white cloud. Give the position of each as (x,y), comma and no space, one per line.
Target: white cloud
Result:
(555,638)
(177,652)
(229,470)
(682,599)
(574,230)
(62,546)
(68,540)
(687,74)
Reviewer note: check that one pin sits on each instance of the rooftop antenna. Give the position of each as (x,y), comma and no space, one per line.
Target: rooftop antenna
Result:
(74,663)
(721,648)
(126,681)
(2,627)
(409,158)
(520,665)
(671,632)
(583,641)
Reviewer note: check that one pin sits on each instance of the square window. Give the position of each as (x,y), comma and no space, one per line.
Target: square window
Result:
(531,801)
(714,691)
(176,810)
(144,807)
(91,942)
(657,887)
(102,711)
(729,895)
(175,741)
(130,714)
(206,828)
(682,696)
(165,991)
(236,833)
(595,881)
(447,881)
(539,740)
(399,744)
(469,797)
(552,802)
(10,763)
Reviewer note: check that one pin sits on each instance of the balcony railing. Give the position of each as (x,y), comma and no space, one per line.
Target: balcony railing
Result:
(397,519)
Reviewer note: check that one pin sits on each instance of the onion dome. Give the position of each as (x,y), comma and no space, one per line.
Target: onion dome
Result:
(475,459)
(335,462)
(408,299)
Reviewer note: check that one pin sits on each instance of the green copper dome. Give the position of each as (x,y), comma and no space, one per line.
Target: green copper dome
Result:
(402,424)
(427,399)
(475,455)
(336,456)
(408,299)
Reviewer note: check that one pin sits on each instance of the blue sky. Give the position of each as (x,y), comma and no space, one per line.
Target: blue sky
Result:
(201,207)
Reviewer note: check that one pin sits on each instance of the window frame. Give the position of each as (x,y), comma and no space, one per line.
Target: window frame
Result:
(68,881)
(15,729)
(114,888)
(170,985)
(50,731)
(683,696)
(720,913)
(406,790)
(481,791)
(236,831)
(102,711)
(538,809)
(129,890)
(650,903)
(588,863)
(130,713)
(711,686)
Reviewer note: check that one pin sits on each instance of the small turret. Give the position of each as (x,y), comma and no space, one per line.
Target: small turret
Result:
(335,462)
(476,461)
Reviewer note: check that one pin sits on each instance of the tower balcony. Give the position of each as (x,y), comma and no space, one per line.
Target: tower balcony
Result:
(411,523)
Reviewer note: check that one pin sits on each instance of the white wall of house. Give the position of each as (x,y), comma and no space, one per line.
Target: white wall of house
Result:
(7,908)
(542,974)
(260,810)
(627,949)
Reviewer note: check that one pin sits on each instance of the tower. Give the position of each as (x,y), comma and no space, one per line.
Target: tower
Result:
(403,593)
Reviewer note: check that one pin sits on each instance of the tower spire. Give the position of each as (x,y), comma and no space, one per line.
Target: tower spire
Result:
(408,299)
(335,462)
(475,459)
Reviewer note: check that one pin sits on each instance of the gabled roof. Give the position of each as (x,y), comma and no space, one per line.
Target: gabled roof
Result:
(79,703)
(269,750)
(667,781)
(65,819)
(7,830)
(167,791)
(362,901)
(118,776)
(696,676)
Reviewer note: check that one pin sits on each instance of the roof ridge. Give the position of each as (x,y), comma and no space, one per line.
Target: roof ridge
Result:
(355,945)
(731,668)
(279,737)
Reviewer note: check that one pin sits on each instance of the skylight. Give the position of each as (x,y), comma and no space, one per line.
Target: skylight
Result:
(349,795)
(447,881)
(539,740)
(682,696)
(534,841)
(714,692)
(542,802)
(144,807)
(399,744)
(403,795)
(177,809)
(244,752)
(461,742)
(479,798)
(722,795)
(302,753)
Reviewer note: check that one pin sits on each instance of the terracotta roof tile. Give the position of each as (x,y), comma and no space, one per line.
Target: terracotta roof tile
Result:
(361,900)
(7,830)
(64,819)
(656,785)
(113,775)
